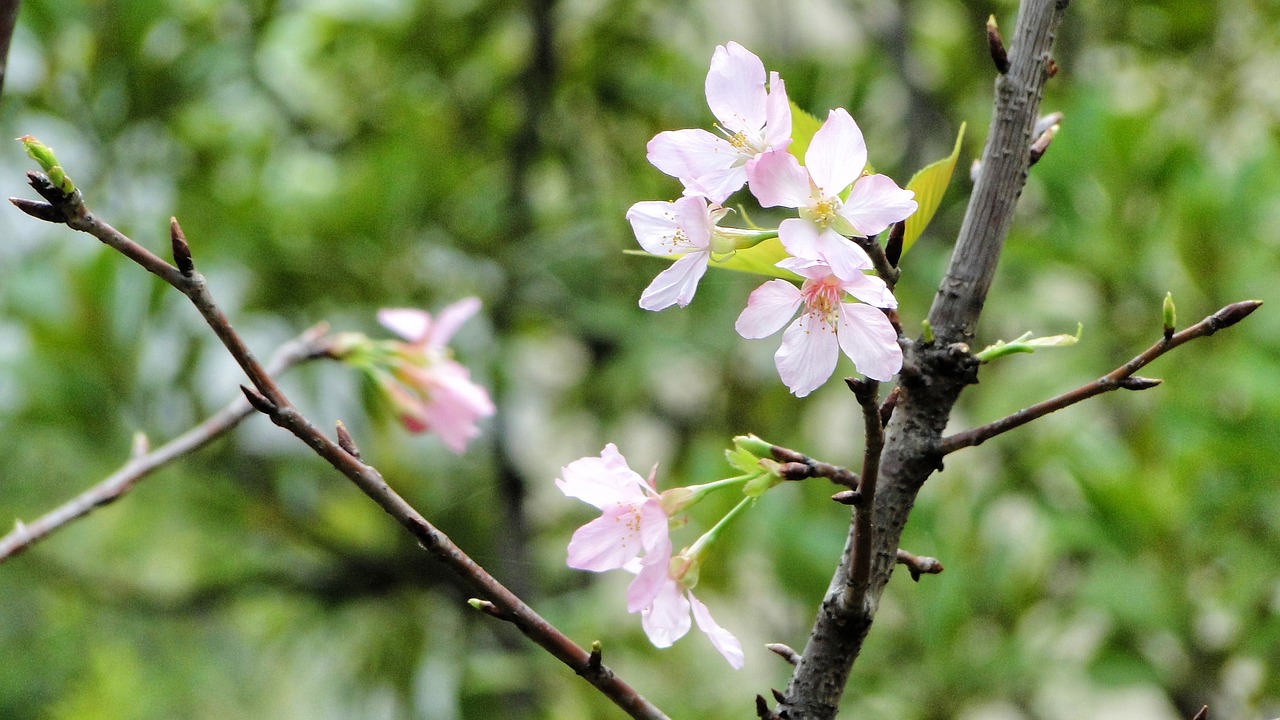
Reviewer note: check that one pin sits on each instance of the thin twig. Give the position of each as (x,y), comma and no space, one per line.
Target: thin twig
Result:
(271,400)
(868,394)
(919,565)
(308,346)
(8,19)
(1122,378)
(798,466)
(884,267)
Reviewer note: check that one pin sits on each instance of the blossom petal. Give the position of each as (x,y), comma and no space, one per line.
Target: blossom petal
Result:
(808,354)
(449,320)
(769,307)
(777,128)
(666,619)
(776,179)
(837,154)
(617,536)
(603,481)
(846,259)
(692,154)
(868,338)
(875,203)
(677,284)
(722,639)
(454,404)
(800,238)
(411,324)
(735,89)
(871,290)
(665,228)
(652,575)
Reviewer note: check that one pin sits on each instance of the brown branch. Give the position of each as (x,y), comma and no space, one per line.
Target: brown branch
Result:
(934,373)
(1122,378)
(8,19)
(308,346)
(267,397)
(868,394)
(798,466)
(918,565)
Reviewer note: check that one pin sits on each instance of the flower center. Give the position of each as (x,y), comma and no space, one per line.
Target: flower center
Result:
(824,211)
(822,297)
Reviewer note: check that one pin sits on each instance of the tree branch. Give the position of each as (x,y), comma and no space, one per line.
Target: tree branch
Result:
(1122,378)
(308,346)
(267,397)
(934,373)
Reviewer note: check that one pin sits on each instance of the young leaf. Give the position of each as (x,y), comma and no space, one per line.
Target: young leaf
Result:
(758,260)
(929,183)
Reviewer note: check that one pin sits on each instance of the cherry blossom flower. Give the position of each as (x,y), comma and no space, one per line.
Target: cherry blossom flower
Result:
(836,157)
(752,118)
(632,520)
(662,593)
(429,389)
(809,353)
(685,227)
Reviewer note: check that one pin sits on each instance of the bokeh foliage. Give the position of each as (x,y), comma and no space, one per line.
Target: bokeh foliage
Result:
(328,158)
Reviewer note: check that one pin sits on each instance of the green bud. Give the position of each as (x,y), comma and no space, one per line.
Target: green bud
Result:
(754,445)
(1170,315)
(926,330)
(39,152)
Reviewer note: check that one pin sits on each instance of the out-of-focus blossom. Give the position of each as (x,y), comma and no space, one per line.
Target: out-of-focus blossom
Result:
(811,344)
(753,119)
(834,160)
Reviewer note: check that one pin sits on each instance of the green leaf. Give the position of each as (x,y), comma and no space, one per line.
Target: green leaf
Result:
(929,184)
(803,127)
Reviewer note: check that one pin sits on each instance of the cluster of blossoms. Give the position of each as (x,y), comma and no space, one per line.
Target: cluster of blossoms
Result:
(835,199)
(417,376)
(633,534)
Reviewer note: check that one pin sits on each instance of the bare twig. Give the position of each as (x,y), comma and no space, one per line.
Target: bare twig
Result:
(798,466)
(310,345)
(784,651)
(8,19)
(919,565)
(1122,378)
(868,394)
(885,268)
(269,399)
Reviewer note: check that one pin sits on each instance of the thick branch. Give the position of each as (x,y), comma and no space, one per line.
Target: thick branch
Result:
(934,373)
(308,346)
(1122,378)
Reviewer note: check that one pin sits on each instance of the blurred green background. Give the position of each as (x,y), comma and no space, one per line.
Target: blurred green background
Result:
(1118,560)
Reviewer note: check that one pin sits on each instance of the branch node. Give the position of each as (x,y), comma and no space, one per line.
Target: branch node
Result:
(996,44)
(595,661)
(786,653)
(181,250)
(346,442)
(1137,382)
(890,402)
(1233,313)
(486,607)
(918,565)
(258,401)
(1051,68)
(762,709)
(848,497)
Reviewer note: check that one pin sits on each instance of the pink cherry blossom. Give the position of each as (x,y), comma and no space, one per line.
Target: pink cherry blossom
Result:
(752,118)
(430,390)
(632,520)
(809,352)
(834,160)
(661,595)
(684,227)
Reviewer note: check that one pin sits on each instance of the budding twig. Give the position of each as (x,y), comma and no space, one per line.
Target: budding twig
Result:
(1122,378)
(918,565)
(798,466)
(995,44)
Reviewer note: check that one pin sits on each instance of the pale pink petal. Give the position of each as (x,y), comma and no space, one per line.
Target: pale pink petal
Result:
(691,154)
(876,203)
(871,290)
(601,482)
(717,184)
(677,284)
(777,129)
(868,338)
(722,639)
(666,619)
(735,89)
(810,269)
(800,238)
(769,307)
(846,259)
(665,228)
(449,320)
(617,536)
(808,354)
(837,154)
(409,323)
(454,404)
(652,576)
(776,179)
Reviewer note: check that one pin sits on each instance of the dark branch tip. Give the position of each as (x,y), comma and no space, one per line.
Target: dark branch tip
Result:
(346,442)
(39,210)
(1234,313)
(258,400)
(786,652)
(1137,382)
(848,497)
(181,250)
(995,43)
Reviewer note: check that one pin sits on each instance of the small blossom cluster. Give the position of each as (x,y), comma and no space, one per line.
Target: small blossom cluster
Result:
(633,534)
(417,377)
(835,199)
